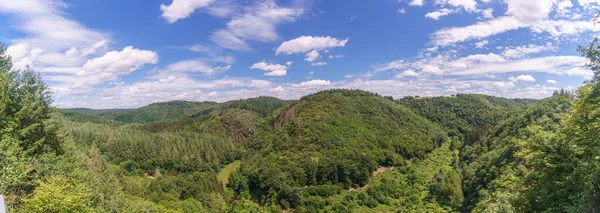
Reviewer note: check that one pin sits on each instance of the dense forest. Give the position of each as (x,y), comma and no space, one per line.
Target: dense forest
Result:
(333,151)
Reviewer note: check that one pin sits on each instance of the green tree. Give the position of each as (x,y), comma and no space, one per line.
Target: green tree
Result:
(25,129)
(61,195)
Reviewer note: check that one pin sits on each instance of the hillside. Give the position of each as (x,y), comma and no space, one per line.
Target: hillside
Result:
(165,111)
(331,141)
(464,112)
(492,179)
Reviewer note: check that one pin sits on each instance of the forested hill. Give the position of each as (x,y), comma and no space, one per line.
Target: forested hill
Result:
(165,111)
(463,112)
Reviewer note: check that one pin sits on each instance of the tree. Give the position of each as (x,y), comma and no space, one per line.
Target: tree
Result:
(59,194)
(25,129)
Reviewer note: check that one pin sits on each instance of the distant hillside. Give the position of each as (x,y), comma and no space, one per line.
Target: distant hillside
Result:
(238,120)
(165,111)
(464,112)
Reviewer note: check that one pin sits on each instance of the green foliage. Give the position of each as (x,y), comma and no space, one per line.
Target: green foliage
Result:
(500,163)
(224,175)
(330,141)
(167,111)
(26,132)
(59,194)
(464,112)
(137,149)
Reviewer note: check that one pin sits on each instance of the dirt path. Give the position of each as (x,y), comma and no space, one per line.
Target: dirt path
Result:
(380,169)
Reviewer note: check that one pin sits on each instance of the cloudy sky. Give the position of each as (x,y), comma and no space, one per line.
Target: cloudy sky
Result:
(123,54)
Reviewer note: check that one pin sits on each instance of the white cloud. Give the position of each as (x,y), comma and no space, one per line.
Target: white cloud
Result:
(319,64)
(195,66)
(468,5)
(117,63)
(312,55)
(491,57)
(407,73)
(488,13)
(534,15)
(180,9)
(305,44)
(551,81)
(276,73)
(95,47)
(313,83)
(311,46)
(529,12)
(525,50)
(563,6)
(559,28)
(482,44)
(45,44)
(526,78)
(226,39)
(71,52)
(273,69)
(336,56)
(479,30)
(489,64)
(416,3)
(257,23)
(576,71)
(200,48)
(277,90)
(589,4)
(430,69)
(401,10)
(439,13)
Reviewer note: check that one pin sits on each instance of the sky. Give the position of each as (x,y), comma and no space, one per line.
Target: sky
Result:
(127,54)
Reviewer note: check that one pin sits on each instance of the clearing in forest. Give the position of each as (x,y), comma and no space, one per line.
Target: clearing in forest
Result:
(227,171)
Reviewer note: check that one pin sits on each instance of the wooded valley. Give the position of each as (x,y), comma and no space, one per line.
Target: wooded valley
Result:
(336,150)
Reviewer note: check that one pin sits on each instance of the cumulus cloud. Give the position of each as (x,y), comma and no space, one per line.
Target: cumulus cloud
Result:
(407,73)
(117,63)
(312,56)
(416,3)
(311,46)
(526,78)
(551,81)
(439,13)
(534,15)
(304,44)
(313,83)
(180,9)
(272,69)
(486,64)
(256,23)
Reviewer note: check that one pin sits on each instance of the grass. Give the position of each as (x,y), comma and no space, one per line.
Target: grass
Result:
(227,171)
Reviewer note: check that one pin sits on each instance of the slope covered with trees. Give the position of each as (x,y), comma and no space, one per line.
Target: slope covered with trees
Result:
(333,151)
(165,111)
(330,142)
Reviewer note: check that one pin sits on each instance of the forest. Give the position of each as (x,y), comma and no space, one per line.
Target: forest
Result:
(337,150)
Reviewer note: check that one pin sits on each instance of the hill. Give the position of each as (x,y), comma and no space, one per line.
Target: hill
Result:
(331,141)
(165,111)
(463,112)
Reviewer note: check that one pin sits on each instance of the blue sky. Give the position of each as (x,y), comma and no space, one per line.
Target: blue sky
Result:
(123,54)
